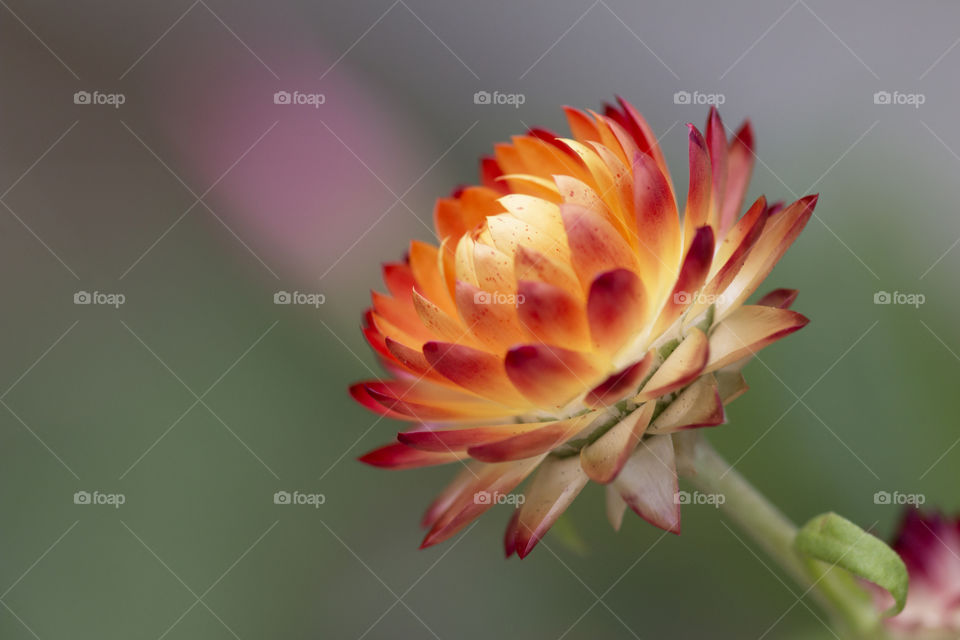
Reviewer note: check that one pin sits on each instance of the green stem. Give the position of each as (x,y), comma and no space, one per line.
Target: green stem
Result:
(850,609)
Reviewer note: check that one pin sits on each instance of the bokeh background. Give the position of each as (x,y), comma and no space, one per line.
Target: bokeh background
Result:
(198,398)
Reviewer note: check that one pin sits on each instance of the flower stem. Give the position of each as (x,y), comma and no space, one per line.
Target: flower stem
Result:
(850,608)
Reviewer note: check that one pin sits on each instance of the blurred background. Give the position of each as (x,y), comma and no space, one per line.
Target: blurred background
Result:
(147,168)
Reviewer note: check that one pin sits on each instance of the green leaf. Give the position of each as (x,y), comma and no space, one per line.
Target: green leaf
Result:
(838,542)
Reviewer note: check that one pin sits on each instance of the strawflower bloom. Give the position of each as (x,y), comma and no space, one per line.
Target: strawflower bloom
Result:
(570,321)
(929,544)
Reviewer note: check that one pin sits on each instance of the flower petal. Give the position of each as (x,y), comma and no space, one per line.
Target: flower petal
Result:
(615,308)
(620,384)
(749,329)
(462,439)
(779,298)
(531,265)
(699,405)
(781,229)
(603,459)
(740,159)
(550,314)
(553,489)
(400,456)
(549,376)
(660,240)
(477,496)
(696,266)
(700,191)
(425,266)
(681,367)
(532,442)
(450,493)
(595,245)
(648,483)
(478,371)
(616,507)
(716,139)
(492,320)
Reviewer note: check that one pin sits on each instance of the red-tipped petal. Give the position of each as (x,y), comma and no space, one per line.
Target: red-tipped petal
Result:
(749,329)
(491,320)
(693,273)
(549,376)
(477,496)
(659,240)
(621,384)
(461,439)
(781,229)
(533,442)
(424,402)
(680,368)
(740,159)
(595,245)
(489,173)
(478,371)
(400,456)
(699,405)
(552,315)
(555,486)
(779,298)
(699,194)
(648,483)
(359,393)
(716,139)
(468,472)
(603,459)
(615,309)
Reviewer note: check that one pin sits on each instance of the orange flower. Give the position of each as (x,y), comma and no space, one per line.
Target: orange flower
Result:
(570,321)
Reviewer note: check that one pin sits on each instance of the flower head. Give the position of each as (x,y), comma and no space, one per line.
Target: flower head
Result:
(929,544)
(571,320)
